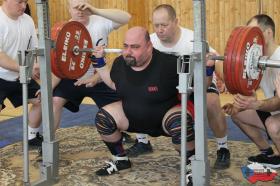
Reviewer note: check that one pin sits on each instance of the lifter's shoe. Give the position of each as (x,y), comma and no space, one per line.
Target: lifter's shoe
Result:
(37,141)
(127,138)
(139,148)
(223,159)
(114,166)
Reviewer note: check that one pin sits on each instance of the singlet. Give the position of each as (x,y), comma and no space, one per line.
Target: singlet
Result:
(148,94)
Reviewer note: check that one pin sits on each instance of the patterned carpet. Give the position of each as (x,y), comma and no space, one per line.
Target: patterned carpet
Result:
(82,153)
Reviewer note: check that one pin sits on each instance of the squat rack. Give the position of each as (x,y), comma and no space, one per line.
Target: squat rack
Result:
(50,161)
(188,69)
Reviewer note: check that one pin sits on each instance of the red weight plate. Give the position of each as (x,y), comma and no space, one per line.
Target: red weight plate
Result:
(236,72)
(228,60)
(54,69)
(54,32)
(251,36)
(72,34)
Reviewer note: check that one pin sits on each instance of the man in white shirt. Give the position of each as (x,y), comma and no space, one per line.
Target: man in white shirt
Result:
(17,33)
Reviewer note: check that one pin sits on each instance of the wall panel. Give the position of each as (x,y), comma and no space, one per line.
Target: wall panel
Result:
(222,15)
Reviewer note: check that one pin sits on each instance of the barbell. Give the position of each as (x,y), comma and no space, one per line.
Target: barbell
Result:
(243,65)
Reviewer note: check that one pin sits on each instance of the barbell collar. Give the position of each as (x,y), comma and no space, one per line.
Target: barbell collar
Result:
(264,62)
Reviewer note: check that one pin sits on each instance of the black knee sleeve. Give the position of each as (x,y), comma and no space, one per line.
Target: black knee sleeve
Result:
(173,126)
(105,123)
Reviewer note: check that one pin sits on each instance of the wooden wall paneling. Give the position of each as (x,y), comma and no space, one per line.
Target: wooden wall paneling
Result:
(221,15)
(276,17)
(212,23)
(271,7)
(242,8)
(236,12)
(221,26)
(105,4)
(33,9)
(215,22)
(139,11)
(252,8)
(186,13)
(209,19)
(97,3)
(116,38)
(150,5)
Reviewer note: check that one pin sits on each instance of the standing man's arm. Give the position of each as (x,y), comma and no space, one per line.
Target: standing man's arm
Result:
(104,73)
(8,63)
(119,16)
(277,84)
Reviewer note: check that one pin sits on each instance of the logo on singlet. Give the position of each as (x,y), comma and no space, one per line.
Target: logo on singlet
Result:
(152,89)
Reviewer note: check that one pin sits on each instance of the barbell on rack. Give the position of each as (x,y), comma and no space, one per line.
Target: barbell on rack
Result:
(243,65)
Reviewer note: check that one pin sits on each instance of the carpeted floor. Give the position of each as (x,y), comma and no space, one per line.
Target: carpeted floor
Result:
(82,153)
(11,129)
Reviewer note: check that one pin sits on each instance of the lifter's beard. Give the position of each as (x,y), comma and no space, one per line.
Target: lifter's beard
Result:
(130,61)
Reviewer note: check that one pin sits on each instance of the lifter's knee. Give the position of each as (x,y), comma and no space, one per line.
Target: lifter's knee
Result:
(105,123)
(173,126)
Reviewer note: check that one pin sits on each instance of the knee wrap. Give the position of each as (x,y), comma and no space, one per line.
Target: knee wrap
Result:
(105,123)
(173,126)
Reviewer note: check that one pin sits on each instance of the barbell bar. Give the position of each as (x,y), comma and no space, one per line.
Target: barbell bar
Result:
(243,64)
(266,62)
(77,50)
(263,62)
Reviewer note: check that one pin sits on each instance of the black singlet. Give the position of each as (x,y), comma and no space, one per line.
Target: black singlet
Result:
(147,95)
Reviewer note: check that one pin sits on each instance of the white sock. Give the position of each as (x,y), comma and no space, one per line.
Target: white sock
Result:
(32,132)
(142,138)
(222,142)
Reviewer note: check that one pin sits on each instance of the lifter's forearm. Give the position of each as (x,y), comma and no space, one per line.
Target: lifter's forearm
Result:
(104,73)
